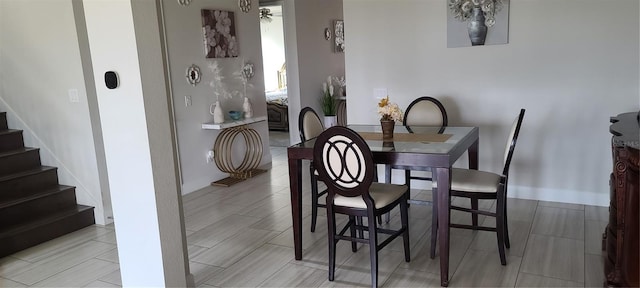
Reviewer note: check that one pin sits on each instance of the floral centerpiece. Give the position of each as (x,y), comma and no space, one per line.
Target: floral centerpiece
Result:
(463,9)
(389,111)
(389,114)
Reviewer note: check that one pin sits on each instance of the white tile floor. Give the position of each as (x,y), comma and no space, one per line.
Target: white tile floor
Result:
(241,237)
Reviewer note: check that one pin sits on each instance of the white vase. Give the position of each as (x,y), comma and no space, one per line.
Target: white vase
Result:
(329,121)
(247,109)
(216,111)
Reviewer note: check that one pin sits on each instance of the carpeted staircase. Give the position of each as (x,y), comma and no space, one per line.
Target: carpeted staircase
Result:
(34,208)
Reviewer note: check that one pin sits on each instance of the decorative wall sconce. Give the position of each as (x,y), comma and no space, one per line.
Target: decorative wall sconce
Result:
(193,75)
(327,33)
(245,5)
(184,2)
(247,71)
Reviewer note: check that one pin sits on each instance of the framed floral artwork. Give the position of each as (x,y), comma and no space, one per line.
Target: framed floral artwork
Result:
(338,32)
(219,31)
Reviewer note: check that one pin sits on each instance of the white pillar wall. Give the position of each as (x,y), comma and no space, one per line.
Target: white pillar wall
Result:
(138,143)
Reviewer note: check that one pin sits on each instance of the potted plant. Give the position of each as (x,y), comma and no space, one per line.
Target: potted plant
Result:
(328,102)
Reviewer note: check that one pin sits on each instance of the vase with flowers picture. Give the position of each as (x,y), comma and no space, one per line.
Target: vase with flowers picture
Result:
(477,22)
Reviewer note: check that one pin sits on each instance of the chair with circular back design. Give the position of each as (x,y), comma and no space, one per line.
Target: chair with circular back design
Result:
(345,164)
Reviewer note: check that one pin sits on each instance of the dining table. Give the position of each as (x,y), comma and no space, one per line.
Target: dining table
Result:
(419,148)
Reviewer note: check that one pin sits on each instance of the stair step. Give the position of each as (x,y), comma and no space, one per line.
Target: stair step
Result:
(25,235)
(28,182)
(10,140)
(3,121)
(37,205)
(21,159)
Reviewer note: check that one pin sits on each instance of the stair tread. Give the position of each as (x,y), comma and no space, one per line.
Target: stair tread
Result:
(26,173)
(9,131)
(16,151)
(43,193)
(17,228)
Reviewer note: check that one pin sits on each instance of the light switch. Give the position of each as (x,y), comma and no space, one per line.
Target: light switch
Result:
(379,93)
(187,101)
(73,96)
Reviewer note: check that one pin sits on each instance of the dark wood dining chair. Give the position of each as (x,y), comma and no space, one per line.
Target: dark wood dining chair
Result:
(475,185)
(345,164)
(423,111)
(310,127)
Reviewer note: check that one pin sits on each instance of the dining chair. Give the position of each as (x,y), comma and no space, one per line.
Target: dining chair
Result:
(423,111)
(310,127)
(475,185)
(345,164)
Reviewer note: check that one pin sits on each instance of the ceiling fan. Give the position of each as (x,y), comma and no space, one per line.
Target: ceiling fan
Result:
(265,14)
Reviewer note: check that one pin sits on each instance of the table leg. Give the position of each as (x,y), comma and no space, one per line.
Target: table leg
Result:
(442,175)
(473,155)
(295,187)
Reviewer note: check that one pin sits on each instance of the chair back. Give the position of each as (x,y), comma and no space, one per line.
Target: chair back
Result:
(511,142)
(344,162)
(425,111)
(309,124)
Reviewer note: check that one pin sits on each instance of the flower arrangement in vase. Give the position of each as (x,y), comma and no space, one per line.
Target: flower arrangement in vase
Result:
(389,113)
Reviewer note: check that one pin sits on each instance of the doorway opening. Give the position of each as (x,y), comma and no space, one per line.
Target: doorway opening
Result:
(275,74)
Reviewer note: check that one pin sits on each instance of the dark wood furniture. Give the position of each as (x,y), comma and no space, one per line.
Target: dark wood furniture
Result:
(352,192)
(278,116)
(621,239)
(311,126)
(476,185)
(437,157)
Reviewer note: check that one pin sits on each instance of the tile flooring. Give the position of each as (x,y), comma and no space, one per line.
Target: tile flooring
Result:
(241,237)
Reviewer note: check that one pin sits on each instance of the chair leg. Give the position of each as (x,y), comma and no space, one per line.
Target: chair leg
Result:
(474,216)
(314,198)
(352,223)
(331,229)
(434,222)
(404,218)
(387,179)
(407,181)
(500,225)
(373,248)
(507,243)
(359,231)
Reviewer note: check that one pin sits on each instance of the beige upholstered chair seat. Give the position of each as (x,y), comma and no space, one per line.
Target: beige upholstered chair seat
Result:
(469,180)
(382,194)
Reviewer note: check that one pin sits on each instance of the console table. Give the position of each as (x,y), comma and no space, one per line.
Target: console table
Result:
(621,237)
(223,148)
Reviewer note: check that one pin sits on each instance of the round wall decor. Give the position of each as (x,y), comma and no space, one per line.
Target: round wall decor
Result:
(327,33)
(245,5)
(193,75)
(184,2)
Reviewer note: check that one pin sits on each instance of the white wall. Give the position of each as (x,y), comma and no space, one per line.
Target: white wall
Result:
(572,64)
(39,62)
(185,47)
(272,35)
(138,144)
(315,57)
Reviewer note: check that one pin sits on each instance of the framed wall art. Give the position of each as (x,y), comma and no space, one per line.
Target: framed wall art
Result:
(219,32)
(338,33)
(477,23)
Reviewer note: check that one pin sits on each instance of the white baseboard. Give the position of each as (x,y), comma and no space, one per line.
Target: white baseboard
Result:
(531,193)
(560,195)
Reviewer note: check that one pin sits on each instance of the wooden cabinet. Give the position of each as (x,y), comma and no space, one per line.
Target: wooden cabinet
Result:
(621,239)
